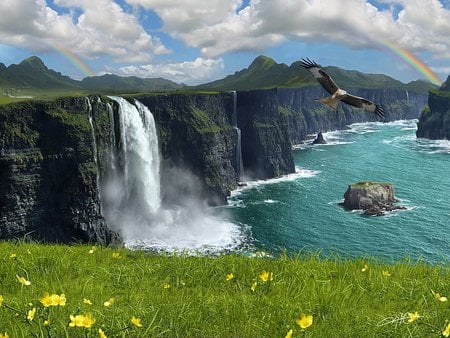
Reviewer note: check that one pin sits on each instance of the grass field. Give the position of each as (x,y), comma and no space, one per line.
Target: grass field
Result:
(98,292)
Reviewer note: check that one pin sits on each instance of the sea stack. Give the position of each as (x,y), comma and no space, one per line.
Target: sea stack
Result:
(319,139)
(372,197)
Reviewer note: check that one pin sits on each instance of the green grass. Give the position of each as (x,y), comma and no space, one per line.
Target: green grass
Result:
(365,184)
(176,296)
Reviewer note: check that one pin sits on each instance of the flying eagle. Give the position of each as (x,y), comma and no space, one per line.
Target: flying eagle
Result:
(338,94)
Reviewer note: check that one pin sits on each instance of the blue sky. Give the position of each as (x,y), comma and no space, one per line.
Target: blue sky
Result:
(196,41)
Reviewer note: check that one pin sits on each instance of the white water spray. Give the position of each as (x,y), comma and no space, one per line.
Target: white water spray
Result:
(133,205)
(94,144)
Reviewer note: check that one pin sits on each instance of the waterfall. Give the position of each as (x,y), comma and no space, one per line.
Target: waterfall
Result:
(407,96)
(239,163)
(132,198)
(94,147)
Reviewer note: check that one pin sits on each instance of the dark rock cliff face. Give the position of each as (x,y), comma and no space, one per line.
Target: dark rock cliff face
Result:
(49,167)
(307,116)
(48,187)
(434,123)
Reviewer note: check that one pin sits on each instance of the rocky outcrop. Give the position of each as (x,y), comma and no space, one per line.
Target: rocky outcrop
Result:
(48,188)
(434,122)
(372,197)
(319,139)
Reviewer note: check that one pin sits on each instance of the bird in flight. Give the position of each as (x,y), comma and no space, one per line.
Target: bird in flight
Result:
(338,94)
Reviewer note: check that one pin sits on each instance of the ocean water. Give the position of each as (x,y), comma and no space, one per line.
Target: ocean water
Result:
(301,211)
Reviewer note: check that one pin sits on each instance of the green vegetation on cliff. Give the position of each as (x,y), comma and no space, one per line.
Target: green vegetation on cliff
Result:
(135,294)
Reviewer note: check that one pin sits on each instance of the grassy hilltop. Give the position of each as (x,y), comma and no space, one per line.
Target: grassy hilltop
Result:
(127,293)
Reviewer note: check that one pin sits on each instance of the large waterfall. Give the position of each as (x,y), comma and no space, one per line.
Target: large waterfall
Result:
(132,194)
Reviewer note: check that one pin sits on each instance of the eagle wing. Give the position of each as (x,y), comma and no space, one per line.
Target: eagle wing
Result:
(319,74)
(363,103)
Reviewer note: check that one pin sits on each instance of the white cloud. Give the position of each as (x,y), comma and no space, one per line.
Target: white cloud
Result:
(188,72)
(216,27)
(103,28)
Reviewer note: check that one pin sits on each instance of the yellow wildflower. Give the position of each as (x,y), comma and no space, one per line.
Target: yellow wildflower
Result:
(5,335)
(101,334)
(305,321)
(53,300)
(13,256)
(413,316)
(386,273)
(23,281)
(439,297)
(136,321)
(116,255)
(266,276)
(47,322)
(1,300)
(365,268)
(81,321)
(289,334)
(31,314)
(109,302)
(87,301)
(229,277)
(166,286)
(253,287)
(92,250)
(446,332)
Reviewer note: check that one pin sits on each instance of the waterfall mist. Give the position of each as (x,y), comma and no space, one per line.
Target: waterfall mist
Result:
(132,193)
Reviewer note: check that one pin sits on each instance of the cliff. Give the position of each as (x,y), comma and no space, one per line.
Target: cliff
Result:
(50,166)
(434,122)
(48,188)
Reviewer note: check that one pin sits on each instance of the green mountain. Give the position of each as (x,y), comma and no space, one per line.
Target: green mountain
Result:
(32,76)
(115,83)
(32,73)
(264,73)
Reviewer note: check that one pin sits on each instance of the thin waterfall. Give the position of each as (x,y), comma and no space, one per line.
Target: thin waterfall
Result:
(94,146)
(239,163)
(407,96)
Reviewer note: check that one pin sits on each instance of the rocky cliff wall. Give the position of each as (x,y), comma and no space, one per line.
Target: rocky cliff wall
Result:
(48,188)
(434,123)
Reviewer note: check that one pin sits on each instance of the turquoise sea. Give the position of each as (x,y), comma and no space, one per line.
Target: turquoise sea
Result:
(301,211)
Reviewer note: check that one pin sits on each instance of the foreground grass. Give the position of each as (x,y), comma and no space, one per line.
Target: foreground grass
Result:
(225,296)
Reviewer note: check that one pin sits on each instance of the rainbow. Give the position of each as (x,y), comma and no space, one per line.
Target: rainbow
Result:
(411,59)
(74,59)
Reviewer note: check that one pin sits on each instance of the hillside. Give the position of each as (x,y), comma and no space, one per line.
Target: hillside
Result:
(115,83)
(265,73)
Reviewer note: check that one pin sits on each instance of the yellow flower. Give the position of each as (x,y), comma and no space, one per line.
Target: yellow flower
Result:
(81,321)
(13,256)
(266,276)
(53,300)
(23,281)
(446,332)
(109,302)
(386,273)
(229,277)
(101,334)
(47,322)
(1,300)
(305,321)
(116,255)
(166,286)
(413,316)
(289,334)
(92,250)
(5,335)
(253,287)
(365,268)
(136,321)
(439,297)
(87,301)
(31,314)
